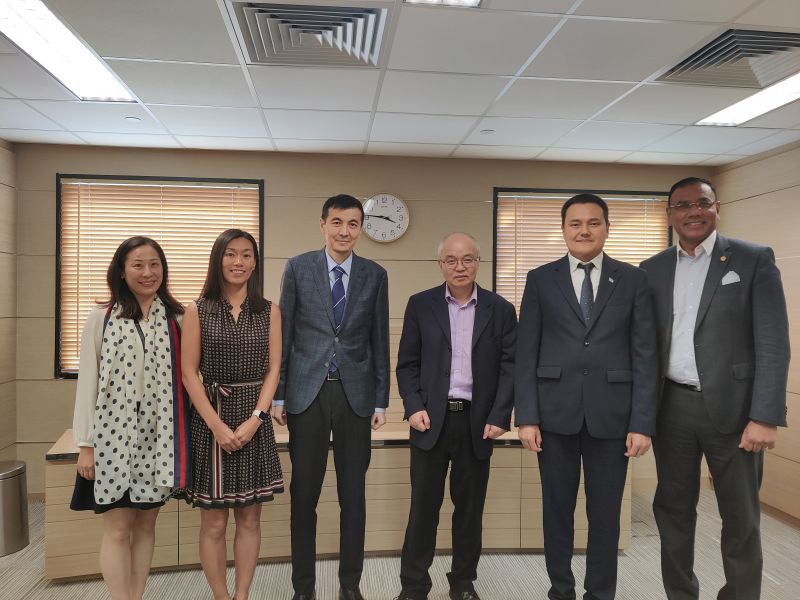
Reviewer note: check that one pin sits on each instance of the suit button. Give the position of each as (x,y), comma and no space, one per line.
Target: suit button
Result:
(586,371)
(585,342)
(447,372)
(336,339)
(327,365)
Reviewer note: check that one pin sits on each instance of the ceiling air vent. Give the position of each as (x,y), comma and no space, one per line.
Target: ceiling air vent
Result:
(741,58)
(304,34)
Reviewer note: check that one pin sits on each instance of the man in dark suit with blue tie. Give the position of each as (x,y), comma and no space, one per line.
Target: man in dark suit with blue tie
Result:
(335,380)
(585,391)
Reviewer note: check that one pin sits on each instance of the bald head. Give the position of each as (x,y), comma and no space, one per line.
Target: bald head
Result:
(459,257)
(458,238)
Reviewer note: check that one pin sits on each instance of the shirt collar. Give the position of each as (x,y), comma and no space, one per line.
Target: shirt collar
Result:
(473,299)
(707,245)
(597,261)
(346,264)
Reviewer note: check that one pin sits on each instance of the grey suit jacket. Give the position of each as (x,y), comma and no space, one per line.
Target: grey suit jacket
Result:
(309,335)
(603,373)
(741,335)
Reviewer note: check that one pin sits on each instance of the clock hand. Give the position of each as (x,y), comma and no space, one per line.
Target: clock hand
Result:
(380,217)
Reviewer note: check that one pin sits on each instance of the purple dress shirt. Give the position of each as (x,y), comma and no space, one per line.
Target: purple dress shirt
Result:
(462,320)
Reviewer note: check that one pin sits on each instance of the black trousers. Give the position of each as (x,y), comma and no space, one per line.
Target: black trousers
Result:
(605,468)
(309,433)
(468,481)
(685,434)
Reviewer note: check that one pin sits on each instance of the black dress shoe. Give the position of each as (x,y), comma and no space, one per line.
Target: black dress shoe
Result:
(464,595)
(350,594)
(299,596)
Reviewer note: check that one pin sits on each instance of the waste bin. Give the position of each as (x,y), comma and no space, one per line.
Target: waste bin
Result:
(13,507)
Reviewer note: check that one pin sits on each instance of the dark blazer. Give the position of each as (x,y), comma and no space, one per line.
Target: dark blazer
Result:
(741,335)
(424,358)
(309,334)
(604,373)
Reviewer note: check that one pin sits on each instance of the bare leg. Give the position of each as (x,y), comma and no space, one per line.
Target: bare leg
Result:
(213,523)
(143,538)
(115,551)
(246,545)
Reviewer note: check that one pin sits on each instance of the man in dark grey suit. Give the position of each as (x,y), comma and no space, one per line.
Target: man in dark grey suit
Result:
(334,378)
(455,373)
(585,391)
(724,357)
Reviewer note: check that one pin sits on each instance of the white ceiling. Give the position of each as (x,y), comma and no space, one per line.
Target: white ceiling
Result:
(516,79)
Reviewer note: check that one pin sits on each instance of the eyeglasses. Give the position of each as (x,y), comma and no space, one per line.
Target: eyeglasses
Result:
(468,261)
(702,204)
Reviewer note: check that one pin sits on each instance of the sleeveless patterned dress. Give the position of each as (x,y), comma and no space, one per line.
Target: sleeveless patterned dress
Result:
(233,360)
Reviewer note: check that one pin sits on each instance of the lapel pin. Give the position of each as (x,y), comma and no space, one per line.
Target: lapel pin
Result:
(610,280)
(723,258)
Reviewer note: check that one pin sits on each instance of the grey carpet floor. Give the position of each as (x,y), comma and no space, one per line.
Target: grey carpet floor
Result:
(501,576)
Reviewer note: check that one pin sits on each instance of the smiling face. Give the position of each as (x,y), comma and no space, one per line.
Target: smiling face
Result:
(585,230)
(693,223)
(143,272)
(238,261)
(341,230)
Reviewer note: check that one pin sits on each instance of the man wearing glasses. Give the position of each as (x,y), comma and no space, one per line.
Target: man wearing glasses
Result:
(724,358)
(455,375)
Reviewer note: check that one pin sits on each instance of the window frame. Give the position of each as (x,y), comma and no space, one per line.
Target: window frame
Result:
(496,191)
(59,374)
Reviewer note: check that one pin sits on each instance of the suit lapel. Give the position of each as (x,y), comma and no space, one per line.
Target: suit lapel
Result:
(609,277)
(441,312)
(719,262)
(563,279)
(354,286)
(323,284)
(483,312)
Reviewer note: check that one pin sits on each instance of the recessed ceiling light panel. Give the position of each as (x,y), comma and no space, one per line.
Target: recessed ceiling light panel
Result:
(756,105)
(463,3)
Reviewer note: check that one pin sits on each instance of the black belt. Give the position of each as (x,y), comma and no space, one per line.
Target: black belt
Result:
(695,387)
(333,376)
(457,405)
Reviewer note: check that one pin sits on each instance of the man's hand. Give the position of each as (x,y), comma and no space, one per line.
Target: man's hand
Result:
(86,462)
(531,437)
(637,444)
(279,414)
(420,420)
(492,432)
(378,420)
(758,436)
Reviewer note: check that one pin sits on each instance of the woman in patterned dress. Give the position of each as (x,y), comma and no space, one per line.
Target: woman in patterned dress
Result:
(232,338)
(130,410)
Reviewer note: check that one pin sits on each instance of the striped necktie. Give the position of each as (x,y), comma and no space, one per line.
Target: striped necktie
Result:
(339,302)
(587,292)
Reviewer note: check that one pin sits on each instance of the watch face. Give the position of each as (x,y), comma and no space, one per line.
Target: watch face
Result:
(386,217)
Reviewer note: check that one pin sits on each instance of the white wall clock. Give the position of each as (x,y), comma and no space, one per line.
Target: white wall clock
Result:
(386,217)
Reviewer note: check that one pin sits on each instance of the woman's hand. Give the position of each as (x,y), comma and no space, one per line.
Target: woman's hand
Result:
(86,462)
(226,438)
(245,432)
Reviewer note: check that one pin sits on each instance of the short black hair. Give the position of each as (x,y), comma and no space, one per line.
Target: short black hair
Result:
(342,202)
(687,181)
(584,199)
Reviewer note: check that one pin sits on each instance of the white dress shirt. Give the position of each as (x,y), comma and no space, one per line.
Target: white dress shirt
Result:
(578,275)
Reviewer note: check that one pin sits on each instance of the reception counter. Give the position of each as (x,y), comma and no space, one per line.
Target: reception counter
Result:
(512,518)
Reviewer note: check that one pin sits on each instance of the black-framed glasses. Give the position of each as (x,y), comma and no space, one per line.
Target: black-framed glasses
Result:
(702,204)
(468,261)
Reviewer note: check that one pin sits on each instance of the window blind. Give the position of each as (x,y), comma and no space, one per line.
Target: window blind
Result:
(528,233)
(97,215)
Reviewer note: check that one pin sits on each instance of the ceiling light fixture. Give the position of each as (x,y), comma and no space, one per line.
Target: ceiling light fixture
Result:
(462,3)
(39,33)
(756,105)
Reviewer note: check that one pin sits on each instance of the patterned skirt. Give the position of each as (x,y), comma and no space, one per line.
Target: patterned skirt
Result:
(247,476)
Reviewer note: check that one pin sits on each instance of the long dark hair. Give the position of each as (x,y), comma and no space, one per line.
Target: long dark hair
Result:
(213,288)
(118,287)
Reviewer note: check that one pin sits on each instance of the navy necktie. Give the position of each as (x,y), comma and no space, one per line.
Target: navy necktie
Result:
(587,292)
(339,301)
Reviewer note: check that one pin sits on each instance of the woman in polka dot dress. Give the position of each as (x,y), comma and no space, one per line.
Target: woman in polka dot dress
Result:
(232,338)
(131,413)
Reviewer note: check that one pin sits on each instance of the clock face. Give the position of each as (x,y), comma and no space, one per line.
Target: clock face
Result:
(386,217)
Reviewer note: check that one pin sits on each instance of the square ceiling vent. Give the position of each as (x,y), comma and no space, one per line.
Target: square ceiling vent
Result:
(309,34)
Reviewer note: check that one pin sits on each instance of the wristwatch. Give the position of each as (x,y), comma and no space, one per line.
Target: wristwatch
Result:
(262,415)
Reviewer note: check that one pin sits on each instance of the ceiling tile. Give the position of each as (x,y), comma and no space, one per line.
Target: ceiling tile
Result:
(438,93)
(390,149)
(336,147)
(31,136)
(183,30)
(721,159)
(392,127)
(519,132)
(709,140)
(465,41)
(16,114)
(556,99)
(665,158)
(24,78)
(136,140)
(180,83)
(6,47)
(225,143)
(581,155)
(673,104)
(545,6)
(207,121)
(785,116)
(5,94)
(320,89)
(99,116)
(617,50)
(500,152)
(769,143)
(675,10)
(317,125)
(782,14)
(604,135)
